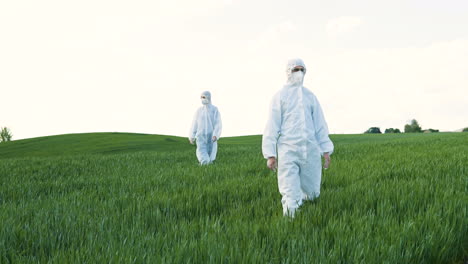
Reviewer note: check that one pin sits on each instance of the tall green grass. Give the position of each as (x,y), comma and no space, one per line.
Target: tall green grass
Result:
(107,198)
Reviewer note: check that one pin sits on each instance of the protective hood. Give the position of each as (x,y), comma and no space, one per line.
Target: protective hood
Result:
(295,79)
(208,98)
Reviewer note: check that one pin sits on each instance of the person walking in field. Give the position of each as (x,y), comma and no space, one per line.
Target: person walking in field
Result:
(206,130)
(295,138)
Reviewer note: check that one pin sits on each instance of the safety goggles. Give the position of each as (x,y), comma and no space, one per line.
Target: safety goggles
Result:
(298,69)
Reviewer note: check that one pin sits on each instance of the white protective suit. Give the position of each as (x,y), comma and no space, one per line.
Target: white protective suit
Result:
(205,125)
(297,135)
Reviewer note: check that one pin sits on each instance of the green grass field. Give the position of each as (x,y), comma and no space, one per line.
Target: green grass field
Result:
(135,198)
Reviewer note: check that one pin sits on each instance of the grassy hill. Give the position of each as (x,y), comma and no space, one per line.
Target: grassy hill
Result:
(135,198)
(90,143)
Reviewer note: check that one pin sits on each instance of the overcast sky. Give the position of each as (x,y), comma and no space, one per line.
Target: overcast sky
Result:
(140,66)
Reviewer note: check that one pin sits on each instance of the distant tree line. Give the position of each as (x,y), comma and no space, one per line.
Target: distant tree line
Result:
(392,130)
(412,127)
(5,134)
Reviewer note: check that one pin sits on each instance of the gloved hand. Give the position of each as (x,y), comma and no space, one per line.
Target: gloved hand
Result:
(192,141)
(326,164)
(272,164)
(214,138)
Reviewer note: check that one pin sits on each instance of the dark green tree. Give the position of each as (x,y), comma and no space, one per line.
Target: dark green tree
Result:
(465,129)
(5,134)
(373,130)
(392,130)
(413,127)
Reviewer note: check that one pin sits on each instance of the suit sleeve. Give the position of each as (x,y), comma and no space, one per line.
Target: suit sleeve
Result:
(218,125)
(272,129)
(321,129)
(194,126)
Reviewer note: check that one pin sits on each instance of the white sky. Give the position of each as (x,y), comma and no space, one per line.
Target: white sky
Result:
(139,66)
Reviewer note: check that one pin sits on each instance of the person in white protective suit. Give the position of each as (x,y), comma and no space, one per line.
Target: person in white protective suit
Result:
(206,130)
(295,137)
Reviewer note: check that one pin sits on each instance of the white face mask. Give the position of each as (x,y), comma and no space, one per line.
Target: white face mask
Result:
(205,101)
(297,77)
